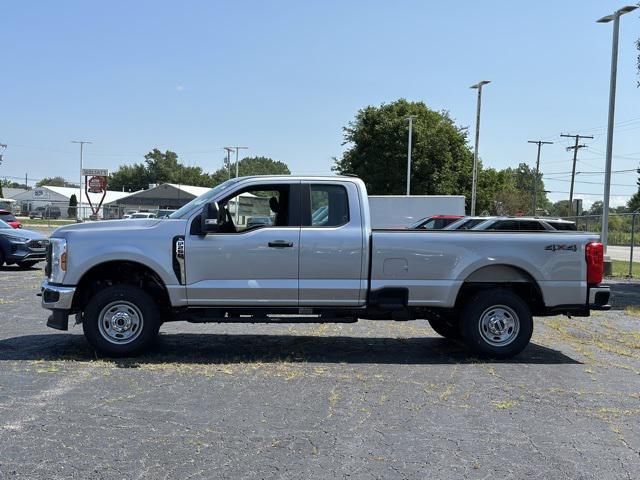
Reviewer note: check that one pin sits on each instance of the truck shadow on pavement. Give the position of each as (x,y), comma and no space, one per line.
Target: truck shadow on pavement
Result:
(230,348)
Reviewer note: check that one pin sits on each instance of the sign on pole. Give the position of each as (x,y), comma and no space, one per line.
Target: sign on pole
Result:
(95,172)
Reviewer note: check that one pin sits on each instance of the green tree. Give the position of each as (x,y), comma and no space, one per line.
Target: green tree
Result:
(158,167)
(596,208)
(54,182)
(560,208)
(73,204)
(1,193)
(251,166)
(9,184)
(377,138)
(634,202)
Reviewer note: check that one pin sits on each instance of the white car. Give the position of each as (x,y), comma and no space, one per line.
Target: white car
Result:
(141,215)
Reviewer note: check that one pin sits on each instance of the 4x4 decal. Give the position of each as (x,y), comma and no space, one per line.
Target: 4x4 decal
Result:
(554,248)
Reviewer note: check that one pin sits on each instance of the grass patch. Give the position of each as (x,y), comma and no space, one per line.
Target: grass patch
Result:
(620,269)
(45,222)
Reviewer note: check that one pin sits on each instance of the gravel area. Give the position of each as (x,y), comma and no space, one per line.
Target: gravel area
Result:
(365,400)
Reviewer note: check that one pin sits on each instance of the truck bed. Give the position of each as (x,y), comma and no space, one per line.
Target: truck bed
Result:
(433,265)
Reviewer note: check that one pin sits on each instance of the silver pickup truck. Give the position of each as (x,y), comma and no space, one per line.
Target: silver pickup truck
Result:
(316,260)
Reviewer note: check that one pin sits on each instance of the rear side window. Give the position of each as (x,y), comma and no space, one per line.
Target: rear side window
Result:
(7,217)
(329,205)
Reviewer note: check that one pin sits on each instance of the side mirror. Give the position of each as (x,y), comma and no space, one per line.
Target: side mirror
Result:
(209,218)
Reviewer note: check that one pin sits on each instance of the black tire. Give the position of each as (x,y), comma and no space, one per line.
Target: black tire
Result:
(507,309)
(129,302)
(446,327)
(1,258)
(26,265)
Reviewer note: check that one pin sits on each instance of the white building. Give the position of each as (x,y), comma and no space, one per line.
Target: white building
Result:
(48,196)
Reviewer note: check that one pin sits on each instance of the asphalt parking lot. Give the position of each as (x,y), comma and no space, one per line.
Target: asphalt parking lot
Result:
(365,400)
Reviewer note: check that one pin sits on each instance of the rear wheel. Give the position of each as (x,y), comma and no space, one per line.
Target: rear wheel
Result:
(497,323)
(121,320)
(446,327)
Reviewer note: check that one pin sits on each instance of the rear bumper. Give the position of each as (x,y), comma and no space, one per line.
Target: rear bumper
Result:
(598,297)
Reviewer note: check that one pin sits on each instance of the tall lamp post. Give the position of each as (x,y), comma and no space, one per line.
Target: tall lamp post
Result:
(615,17)
(410,120)
(477,86)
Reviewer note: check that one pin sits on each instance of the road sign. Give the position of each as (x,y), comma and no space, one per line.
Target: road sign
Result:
(97,184)
(100,172)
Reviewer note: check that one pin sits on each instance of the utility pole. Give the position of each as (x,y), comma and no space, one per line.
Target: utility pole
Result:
(237,149)
(478,86)
(229,149)
(81,143)
(575,149)
(535,180)
(410,120)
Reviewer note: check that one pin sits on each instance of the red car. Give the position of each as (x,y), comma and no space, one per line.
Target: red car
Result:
(8,217)
(434,222)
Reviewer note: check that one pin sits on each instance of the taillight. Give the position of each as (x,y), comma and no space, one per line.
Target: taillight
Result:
(594,253)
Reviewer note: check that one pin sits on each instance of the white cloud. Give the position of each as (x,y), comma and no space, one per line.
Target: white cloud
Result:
(179,88)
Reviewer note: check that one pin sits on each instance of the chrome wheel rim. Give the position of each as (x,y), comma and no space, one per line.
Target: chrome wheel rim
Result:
(499,325)
(120,322)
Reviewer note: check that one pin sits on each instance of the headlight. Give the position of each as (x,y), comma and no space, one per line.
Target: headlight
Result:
(13,239)
(58,260)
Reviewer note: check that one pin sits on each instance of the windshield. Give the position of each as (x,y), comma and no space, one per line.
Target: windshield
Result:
(4,225)
(202,199)
(7,217)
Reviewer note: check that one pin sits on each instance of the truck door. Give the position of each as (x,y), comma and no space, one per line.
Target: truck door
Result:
(331,245)
(252,259)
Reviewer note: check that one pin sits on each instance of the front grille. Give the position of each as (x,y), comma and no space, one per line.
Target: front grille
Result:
(38,243)
(47,267)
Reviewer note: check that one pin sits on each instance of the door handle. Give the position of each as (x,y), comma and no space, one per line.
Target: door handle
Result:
(280,244)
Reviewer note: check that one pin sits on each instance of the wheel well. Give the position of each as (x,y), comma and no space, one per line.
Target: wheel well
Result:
(120,272)
(506,277)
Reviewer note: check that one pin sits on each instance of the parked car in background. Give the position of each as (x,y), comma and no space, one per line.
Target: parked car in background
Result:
(163,213)
(466,223)
(22,247)
(9,218)
(142,215)
(51,212)
(434,222)
(560,224)
(259,221)
(529,224)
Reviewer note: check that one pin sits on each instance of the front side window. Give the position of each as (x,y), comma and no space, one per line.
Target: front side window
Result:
(329,205)
(257,207)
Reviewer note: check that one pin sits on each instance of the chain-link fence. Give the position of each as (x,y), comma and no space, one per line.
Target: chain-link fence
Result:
(623,239)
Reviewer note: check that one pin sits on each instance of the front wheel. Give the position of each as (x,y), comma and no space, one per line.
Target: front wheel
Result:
(497,323)
(121,320)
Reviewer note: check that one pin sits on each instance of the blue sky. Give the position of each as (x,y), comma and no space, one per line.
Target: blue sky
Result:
(283,77)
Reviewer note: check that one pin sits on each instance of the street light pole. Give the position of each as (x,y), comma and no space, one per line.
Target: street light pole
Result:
(474,181)
(79,212)
(410,120)
(615,17)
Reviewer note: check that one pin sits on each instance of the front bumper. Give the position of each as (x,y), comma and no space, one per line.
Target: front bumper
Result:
(59,300)
(599,297)
(57,297)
